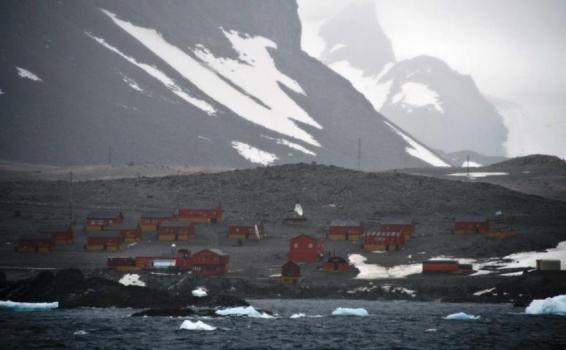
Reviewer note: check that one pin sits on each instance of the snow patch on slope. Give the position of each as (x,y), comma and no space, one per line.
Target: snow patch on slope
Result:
(132,83)
(419,151)
(159,75)
(257,76)
(374,271)
(1,92)
(254,155)
(26,74)
(415,95)
(291,145)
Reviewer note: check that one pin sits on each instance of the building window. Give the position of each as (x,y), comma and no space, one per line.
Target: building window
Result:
(310,245)
(296,245)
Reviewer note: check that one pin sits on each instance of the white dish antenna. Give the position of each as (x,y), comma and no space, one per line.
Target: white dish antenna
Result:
(299,209)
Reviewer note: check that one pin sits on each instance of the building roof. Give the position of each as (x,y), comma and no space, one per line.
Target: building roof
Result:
(302,235)
(396,220)
(478,218)
(152,214)
(104,234)
(175,223)
(123,226)
(347,223)
(54,227)
(213,250)
(104,214)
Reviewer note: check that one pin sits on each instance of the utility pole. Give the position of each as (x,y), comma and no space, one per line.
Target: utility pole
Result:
(468,165)
(359,153)
(71,197)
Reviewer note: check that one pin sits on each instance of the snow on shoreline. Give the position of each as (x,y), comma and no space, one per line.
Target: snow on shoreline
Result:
(374,271)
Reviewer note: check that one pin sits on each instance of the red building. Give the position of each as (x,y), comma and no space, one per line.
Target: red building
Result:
(201,216)
(290,272)
(404,225)
(383,241)
(175,230)
(471,224)
(440,266)
(60,234)
(122,264)
(96,220)
(34,244)
(130,232)
(336,264)
(246,231)
(104,241)
(305,248)
(345,230)
(151,220)
(209,262)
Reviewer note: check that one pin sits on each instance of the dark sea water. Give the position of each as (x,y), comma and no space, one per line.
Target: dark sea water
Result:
(390,325)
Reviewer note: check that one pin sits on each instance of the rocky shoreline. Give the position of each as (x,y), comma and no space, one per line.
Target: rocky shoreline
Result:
(72,289)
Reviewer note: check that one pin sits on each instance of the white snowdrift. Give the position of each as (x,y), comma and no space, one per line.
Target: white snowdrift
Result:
(131,279)
(23,307)
(158,75)
(346,311)
(417,95)
(417,150)
(256,96)
(374,271)
(26,74)
(196,326)
(549,306)
(248,311)
(253,154)
(199,292)
(462,316)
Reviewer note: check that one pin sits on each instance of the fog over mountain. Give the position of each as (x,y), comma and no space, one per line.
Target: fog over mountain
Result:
(215,83)
(489,68)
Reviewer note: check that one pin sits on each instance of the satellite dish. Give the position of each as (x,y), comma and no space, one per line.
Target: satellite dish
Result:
(298,209)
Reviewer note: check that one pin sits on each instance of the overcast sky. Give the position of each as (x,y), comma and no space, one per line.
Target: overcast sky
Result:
(513,49)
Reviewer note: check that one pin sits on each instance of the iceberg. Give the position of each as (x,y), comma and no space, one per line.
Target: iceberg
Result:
(196,326)
(462,316)
(199,292)
(345,311)
(80,332)
(22,307)
(249,311)
(549,306)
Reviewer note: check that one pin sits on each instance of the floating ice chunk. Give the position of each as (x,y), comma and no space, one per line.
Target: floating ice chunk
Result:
(249,311)
(346,311)
(23,307)
(132,279)
(431,330)
(199,292)
(549,306)
(301,315)
(196,326)
(462,316)
(80,332)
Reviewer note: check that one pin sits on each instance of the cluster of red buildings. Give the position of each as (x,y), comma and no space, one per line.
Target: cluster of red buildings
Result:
(48,237)
(243,231)
(393,233)
(471,224)
(207,262)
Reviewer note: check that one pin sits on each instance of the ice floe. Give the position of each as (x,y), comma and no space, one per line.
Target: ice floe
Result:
(23,307)
(131,279)
(346,311)
(549,306)
(26,74)
(374,271)
(462,316)
(196,326)
(253,154)
(248,311)
(80,332)
(302,315)
(199,292)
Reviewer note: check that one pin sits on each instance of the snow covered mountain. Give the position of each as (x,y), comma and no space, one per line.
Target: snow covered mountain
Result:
(206,83)
(422,95)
